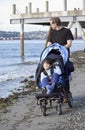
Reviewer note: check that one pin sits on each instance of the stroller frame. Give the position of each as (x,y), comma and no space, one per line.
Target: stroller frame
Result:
(47,99)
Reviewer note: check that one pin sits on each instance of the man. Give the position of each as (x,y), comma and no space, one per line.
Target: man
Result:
(61,35)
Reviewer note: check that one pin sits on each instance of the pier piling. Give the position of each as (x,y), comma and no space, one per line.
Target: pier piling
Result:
(22,40)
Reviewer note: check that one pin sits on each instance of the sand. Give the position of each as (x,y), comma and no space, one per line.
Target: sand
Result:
(21,112)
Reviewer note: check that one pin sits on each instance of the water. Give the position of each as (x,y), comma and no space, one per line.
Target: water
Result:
(78,45)
(13,68)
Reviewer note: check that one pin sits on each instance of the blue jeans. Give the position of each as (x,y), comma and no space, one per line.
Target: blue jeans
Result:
(49,84)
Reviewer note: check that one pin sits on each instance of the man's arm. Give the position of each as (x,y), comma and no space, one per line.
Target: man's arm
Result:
(69,43)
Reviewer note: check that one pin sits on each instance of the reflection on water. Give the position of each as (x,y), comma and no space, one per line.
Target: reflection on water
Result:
(22,59)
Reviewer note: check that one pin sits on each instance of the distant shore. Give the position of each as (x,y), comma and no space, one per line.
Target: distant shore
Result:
(33,35)
(19,39)
(6,39)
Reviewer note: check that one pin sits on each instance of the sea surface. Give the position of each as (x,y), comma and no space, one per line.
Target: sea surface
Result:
(14,68)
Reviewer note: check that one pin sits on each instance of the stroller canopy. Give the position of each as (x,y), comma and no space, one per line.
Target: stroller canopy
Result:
(62,50)
(45,53)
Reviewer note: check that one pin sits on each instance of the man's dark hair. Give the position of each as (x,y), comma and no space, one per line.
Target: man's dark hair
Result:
(56,20)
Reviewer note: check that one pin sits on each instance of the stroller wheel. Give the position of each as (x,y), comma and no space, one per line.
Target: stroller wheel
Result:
(59,109)
(43,103)
(43,109)
(70,102)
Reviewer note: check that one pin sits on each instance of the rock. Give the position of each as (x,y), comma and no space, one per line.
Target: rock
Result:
(32,76)
(25,80)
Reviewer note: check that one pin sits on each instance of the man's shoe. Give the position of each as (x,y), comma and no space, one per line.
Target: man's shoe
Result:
(66,99)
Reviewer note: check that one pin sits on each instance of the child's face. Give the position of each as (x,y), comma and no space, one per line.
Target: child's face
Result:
(46,65)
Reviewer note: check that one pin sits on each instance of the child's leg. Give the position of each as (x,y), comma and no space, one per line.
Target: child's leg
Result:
(55,78)
(45,82)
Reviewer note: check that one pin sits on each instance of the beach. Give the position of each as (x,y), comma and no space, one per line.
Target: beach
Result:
(21,112)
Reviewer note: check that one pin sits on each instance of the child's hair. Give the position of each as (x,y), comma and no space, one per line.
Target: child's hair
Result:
(49,61)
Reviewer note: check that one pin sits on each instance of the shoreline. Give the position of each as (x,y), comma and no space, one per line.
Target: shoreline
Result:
(11,81)
(21,112)
(78,58)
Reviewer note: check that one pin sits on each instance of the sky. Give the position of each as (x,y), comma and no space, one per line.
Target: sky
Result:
(54,5)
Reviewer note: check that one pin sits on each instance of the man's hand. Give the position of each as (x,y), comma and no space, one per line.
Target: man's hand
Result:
(48,44)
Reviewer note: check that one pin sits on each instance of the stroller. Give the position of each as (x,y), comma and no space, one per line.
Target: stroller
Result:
(58,94)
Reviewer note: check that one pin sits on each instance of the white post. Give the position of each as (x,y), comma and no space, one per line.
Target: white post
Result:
(30,7)
(37,10)
(14,8)
(65,5)
(26,10)
(47,8)
(83,4)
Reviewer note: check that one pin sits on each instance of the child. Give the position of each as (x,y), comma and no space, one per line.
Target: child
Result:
(50,75)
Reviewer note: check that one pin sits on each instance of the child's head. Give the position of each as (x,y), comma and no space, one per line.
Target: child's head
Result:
(47,63)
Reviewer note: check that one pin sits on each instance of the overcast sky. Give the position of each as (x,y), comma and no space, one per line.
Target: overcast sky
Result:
(6,11)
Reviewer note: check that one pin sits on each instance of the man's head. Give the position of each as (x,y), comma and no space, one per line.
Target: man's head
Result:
(55,22)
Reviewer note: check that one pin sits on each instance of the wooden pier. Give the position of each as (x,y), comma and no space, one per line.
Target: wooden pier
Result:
(70,18)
